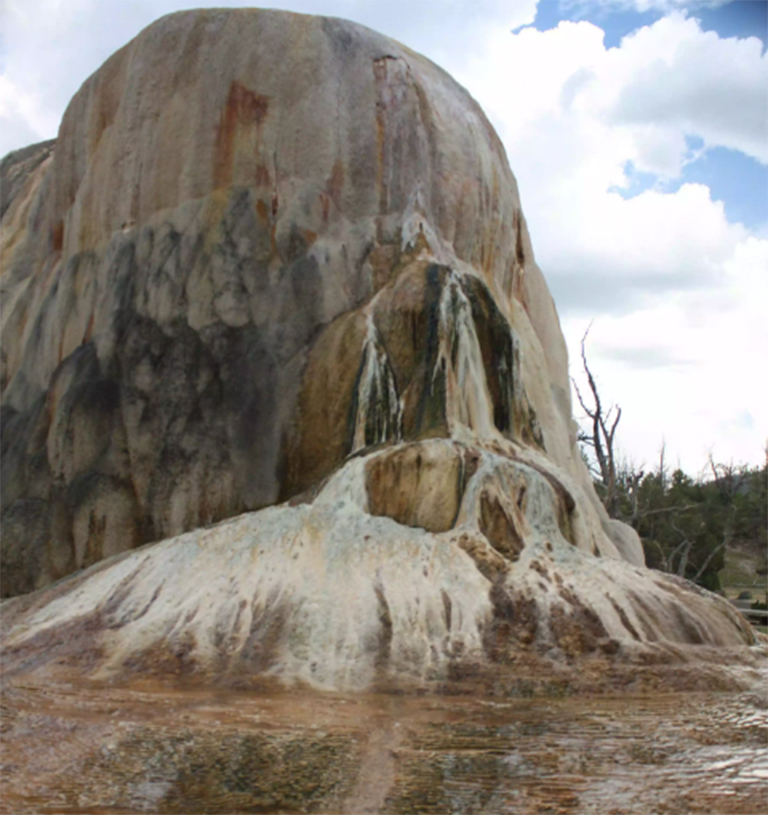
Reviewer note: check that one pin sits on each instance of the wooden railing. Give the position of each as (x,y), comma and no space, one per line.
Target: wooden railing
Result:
(757,616)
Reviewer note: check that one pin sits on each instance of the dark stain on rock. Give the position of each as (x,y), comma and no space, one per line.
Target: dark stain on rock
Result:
(569,635)
(541,569)
(514,623)
(500,529)
(431,418)
(519,251)
(173,656)
(645,615)
(57,236)
(578,630)
(226,634)
(261,647)
(76,643)
(496,344)
(471,463)
(691,632)
(447,608)
(623,617)
(114,616)
(383,645)
(488,561)
(382,404)
(513,414)
(342,36)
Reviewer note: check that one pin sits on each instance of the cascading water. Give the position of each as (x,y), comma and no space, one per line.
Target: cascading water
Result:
(379,411)
(468,401)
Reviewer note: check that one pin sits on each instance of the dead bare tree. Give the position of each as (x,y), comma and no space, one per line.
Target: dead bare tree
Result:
(603,433)
(727,481)
(633,478)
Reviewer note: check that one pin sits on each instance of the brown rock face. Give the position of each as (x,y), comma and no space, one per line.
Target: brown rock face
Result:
(221,190)
(417,485)
(278,257)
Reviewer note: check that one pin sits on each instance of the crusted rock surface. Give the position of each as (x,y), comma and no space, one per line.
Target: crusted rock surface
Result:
(278,263)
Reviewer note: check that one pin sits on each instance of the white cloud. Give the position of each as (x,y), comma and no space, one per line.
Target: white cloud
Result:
(552,95)
(688,368)
(673,76)
(672,282)
(23,119)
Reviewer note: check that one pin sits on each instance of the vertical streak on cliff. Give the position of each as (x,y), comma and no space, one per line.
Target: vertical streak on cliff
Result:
(379,411)
(468,401)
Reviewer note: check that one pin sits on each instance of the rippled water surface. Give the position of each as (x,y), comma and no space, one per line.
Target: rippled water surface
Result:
(155,749)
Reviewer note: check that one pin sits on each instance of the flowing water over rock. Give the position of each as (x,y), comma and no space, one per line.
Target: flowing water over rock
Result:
(377,408)
(162,749)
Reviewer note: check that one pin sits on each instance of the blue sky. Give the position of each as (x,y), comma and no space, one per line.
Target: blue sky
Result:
(638,134)
(740,18)
(736,179)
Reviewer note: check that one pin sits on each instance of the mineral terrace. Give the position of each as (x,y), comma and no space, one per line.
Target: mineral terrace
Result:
(285,395)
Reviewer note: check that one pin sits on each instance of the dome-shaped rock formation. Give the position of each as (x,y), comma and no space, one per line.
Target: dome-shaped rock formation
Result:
(278,259)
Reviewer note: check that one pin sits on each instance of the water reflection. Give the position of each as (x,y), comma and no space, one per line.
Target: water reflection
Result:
(158,749)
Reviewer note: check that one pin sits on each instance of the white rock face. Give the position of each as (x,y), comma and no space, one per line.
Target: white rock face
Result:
(280,257)
(327,594)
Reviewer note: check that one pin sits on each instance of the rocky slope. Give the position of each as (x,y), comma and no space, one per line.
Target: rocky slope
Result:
(274,258)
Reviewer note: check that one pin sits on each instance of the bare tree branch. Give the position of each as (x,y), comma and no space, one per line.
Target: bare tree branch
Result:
(709,559)
(646,512)
(603,434)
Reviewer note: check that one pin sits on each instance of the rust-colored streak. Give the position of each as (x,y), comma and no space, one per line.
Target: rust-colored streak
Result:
(263,210)
(243,111)
(263,178)
(57,236)
(89,328)
(335,183)
(380,78)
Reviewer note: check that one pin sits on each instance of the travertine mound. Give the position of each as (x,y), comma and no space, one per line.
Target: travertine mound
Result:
(278,257)
(351,591)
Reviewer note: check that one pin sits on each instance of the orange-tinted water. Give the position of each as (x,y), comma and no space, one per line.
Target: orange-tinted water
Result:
(158,749)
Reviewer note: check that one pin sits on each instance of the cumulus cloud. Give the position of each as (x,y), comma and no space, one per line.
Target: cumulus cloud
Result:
(673,79)
(554,96)
(673,284)
(688,367)
(644,357)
